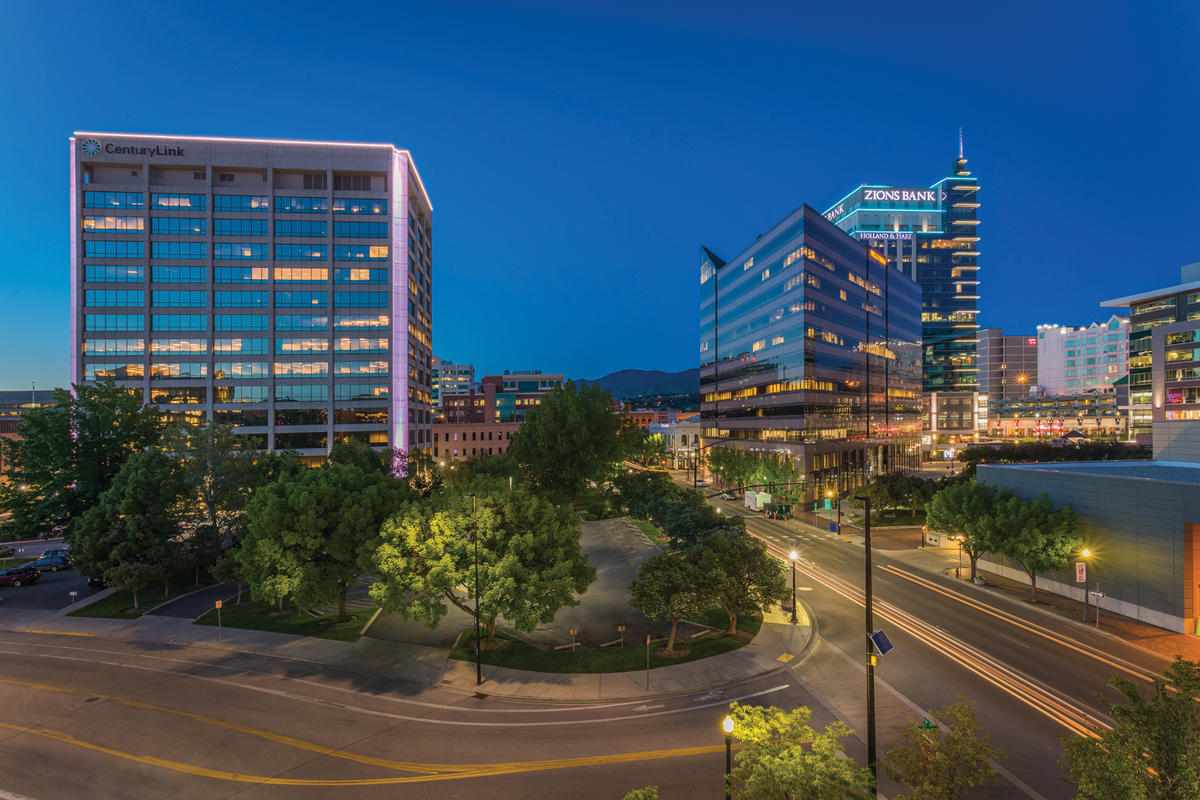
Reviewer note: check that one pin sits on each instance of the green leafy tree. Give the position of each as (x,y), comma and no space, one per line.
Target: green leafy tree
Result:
(743,576)
(69,454)
(310,535)
(1035,535)
(136,521)
(530,561)
(645,793)
(642,490)
(964,509)
(228,569)
(1152,751)
(671,587)
(365,457)
(572,437)
(782,757)
(132,576)
(942,763)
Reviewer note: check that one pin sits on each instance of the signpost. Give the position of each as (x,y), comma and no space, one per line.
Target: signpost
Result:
(647,662)
(73,596)
(574,631)
(219,637)
(621,630)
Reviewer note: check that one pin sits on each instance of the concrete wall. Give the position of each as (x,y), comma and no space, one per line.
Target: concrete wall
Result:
(1134,525)
(1177,440)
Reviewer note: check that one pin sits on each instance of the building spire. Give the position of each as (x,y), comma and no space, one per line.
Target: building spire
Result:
(960,146)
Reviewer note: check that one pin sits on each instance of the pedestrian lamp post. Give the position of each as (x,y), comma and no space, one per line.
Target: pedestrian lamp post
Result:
(868,595)
(829,494)
(727,726)
(1086,554)
(958,569)
(475,539)
(793,558)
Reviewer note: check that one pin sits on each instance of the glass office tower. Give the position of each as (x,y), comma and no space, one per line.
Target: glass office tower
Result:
(283,287)
(810,350)
(932,236)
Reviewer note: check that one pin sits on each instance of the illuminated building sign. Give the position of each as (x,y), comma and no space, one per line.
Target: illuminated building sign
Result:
(900,195)
(91,147)
(884,235)
(835,212)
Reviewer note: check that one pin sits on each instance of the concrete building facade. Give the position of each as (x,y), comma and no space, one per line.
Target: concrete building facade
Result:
(1008,365)
(284,287)
(1071,360)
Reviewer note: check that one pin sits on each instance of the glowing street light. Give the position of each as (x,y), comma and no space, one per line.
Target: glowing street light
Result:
(727,726)
(793,557)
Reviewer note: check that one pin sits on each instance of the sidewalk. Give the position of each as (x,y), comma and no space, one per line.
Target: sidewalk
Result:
(778,646)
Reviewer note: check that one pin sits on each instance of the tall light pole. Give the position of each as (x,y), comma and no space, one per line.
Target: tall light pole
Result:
(475,539)
(829,494)
(727,726)
(870,652)
(1086,555)
(795,620)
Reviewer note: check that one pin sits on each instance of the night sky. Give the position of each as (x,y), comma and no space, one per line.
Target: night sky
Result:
(578,155)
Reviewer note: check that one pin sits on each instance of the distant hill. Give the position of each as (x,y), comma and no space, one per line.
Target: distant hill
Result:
(633,382)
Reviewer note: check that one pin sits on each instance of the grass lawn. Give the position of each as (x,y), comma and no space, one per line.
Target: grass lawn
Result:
(903,518)
(258,616)
(652,531)
(9,563)
(119,605)
(522,655)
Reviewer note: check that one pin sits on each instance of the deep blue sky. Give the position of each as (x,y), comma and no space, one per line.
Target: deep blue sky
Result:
(577,155)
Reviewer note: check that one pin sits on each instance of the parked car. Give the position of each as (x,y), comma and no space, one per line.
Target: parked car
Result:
(51,563)
(65,552)
(96,581)
(6,551)
(19,576)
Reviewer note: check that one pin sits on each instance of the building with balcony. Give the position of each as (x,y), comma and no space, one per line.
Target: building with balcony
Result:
(1073,360)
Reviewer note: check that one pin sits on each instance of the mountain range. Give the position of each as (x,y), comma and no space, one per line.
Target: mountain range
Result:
(633,382)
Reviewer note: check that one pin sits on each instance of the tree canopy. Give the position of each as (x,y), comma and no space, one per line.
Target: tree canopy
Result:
(743,576)
(943,762)
(1034,534)
(964,509)
(670,586)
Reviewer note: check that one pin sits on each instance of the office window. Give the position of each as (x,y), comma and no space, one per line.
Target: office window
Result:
(179,226)
(240,370)
(360,252)
(301,393)
(117,224)
(182,395)
(241,394)
(301,205)
(179,274)
(352,183)
(114,200)
(195,347)
(300,441)
(315,180)
(97,298)
(360,230)
(181,299)
(360,391)
(186,369)
(359,205)
(114,347)
(352,321)
(360,416)
(230,251)
(237,202)
(239,346)
(240,299)
(301,227)
(360,368)
(347,344)
(360,275)
(300,299)
(241,322)
(301,369)
(113,274)
(105,249)
(240,416)
(192,202)
(180,249)
(240,227)
(179,322)
(113,322)
(301,252)
(301,322)
(283,346)
(360,299)
(302,274)
(241,274)
(302,416)
(119,372)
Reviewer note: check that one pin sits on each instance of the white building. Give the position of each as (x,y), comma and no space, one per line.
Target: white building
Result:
(1075,360)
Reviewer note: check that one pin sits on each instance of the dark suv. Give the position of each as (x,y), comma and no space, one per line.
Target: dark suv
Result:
(19,576)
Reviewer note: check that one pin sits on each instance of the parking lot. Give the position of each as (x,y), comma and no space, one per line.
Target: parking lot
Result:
(52,591)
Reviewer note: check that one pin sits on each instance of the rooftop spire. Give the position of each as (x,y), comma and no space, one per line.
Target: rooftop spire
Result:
(960,146)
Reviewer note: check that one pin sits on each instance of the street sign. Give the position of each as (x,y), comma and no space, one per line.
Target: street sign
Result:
(218,604)
(882,643)
(1081,572)
(832,526)
(828,504)
(74,594)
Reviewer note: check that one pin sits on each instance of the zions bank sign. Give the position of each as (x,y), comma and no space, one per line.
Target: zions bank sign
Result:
(92,147)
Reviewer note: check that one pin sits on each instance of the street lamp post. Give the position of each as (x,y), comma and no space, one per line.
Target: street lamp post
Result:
(1086,555)
(475,539)
(870,652)
(795,620)
(727,726)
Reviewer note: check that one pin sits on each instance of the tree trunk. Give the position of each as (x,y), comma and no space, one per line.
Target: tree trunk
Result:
(239,597)
(491,630)
(974,558)
(166,588)
(135,605)
(281,605)
(671,638)
(342,602)
(1032,586)
(732,621)
(197,573)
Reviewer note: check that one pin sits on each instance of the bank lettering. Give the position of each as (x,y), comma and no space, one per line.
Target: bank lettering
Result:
(900,195)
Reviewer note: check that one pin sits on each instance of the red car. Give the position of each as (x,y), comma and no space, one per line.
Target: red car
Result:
(19,576)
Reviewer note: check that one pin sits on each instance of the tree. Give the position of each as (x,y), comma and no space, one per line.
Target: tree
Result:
(310,535)
(132,576)
(572,437)
(1152,751)
(942,763)
(530,561)
(783,757)
(642,490)
(136,521)
(745,578)
(645,793)
(228,569)
(69,454)
(1035,535)
(963,509)
(669,586)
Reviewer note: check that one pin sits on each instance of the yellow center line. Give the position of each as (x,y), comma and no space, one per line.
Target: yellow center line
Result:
(57,633)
